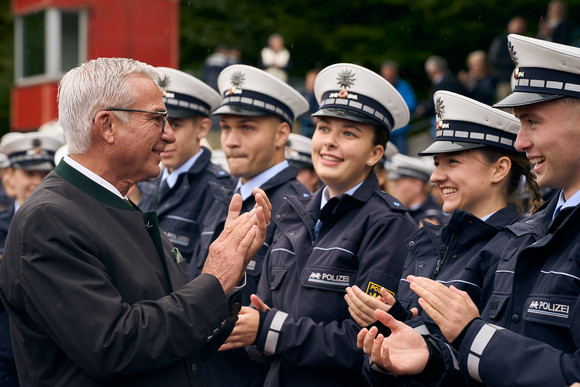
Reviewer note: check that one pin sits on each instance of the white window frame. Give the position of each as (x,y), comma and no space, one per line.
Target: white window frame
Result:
(53,46)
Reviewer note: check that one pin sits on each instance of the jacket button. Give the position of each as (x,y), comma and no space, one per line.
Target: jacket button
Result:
(412,243)
(515,318)
(277,216)
(194,368)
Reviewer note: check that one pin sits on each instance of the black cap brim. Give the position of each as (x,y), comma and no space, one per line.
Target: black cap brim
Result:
(518,98)
(238,110)
(448,147)
(182,113)
(35,166)
(346,114)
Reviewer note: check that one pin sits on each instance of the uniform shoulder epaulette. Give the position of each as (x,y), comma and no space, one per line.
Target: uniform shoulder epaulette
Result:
(217,171)
(301,191)
(392,202)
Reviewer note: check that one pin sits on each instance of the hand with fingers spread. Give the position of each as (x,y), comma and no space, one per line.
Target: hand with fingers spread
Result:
(404,352)
(449,307)
(246,328)
(242,237)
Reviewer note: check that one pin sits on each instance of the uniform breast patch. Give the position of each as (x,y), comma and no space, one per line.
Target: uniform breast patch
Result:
(374,290)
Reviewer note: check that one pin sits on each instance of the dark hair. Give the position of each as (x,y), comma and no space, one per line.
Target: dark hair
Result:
(520,167)
(381,136)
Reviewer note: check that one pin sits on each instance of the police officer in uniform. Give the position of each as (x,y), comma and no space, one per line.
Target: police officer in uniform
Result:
(408,179)
(528,333)
(189,187)
(479,172)
(31,157)
(256,117)
(349,232)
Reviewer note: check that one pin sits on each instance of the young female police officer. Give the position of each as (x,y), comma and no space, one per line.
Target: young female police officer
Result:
(348,233)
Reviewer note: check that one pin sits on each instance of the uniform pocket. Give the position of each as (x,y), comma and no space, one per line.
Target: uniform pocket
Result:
(278,274)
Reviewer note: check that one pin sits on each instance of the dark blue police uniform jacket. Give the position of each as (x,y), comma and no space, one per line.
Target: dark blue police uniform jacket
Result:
(536,298)
(182,210)
(308,336)
(234,368)
(455,254)
(449,254)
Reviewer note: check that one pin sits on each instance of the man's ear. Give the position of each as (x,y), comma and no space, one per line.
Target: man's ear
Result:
(282,133)
(204,128)
(104,127)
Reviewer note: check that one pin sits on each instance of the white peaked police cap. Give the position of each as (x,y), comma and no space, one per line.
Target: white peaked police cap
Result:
(31,151)
(186,96)
(249,91)
(463,123)
(406,166)
(299,151)
(352,92)
(544,71)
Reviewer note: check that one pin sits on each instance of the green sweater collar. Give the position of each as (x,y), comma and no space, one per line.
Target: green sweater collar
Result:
(90,187)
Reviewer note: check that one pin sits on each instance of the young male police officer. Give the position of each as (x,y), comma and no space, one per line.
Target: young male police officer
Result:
(257,113)
(529,332)
(185,192)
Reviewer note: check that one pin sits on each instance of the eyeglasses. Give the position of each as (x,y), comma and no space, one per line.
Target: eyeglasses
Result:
(162,114)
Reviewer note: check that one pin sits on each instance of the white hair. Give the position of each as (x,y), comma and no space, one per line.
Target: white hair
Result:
(94,86)
(435,63)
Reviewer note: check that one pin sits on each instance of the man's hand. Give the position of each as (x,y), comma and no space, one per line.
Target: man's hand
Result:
(242,237)
(450,308)
(404,352)
(262,202)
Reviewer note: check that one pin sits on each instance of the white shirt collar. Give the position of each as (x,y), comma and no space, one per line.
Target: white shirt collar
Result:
(572,202)
(93,176)
(257,181)
(172,177)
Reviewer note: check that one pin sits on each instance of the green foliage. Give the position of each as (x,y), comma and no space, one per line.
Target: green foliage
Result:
(365,32)
(6,65)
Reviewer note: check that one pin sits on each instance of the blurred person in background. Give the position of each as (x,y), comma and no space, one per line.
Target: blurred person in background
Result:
(390,71)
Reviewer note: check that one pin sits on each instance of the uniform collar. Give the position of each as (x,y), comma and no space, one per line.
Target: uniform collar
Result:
(257,181)
(326,195)
(572,202)
(171,177)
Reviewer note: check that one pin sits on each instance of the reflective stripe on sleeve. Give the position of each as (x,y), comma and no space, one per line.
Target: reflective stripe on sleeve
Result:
(482,339)
(478,345)
(274,333)
(455,361)
(473,367)
(422,329)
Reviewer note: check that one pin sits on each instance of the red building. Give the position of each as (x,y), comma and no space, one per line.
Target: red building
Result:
(53,36)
